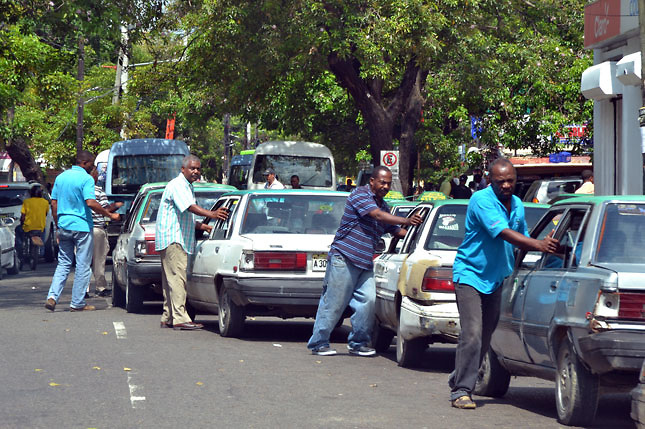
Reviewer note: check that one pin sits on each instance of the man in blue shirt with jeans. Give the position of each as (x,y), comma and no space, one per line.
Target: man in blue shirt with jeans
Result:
(349,278)
(72,198)
(494,224)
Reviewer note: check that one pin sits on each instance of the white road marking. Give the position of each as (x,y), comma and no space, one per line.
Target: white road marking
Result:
(119,328)
(136,399)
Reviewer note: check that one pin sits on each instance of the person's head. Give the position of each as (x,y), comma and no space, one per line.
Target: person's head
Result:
(381,181)
(295,181)
(502,178)
(85,160)
(36,192)
(191,168)
(269,175)
(349,182)
(477,174)
(587,176)
(462,179)
(472,185)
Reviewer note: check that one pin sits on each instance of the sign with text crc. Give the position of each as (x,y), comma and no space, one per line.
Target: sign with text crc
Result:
(608,19)
(390,159)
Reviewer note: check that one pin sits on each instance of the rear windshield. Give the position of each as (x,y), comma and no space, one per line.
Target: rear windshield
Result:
(12,197)
(293,214)
(402,211)
(312,171)
(130,172)
(622,234)
(204,200)
(533,215)
(447,231)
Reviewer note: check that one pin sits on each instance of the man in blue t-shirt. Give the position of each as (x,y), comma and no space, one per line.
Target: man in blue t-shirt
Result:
(349,279)
(494,224)
(73,200)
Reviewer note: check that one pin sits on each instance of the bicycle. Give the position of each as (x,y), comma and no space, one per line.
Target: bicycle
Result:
(30,250)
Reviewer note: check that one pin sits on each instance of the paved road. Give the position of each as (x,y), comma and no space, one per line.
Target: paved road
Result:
(111,369)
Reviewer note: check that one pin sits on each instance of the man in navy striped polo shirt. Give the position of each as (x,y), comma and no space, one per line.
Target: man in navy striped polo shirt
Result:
(349,278)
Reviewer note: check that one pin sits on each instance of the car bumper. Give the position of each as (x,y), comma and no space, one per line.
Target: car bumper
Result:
(428,320)
(613,351)
(144,273)
(274,291)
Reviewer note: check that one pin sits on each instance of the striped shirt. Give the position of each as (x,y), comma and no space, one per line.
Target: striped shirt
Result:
(359,233)
(101,198)
(175,224)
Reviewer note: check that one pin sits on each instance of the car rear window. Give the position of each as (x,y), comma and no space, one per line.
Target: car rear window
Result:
(293,214)
(621,237)
(447,231)
(12,197)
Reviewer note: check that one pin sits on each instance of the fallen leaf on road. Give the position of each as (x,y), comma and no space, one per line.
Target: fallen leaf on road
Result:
(37,369)
(374,385)
(127,369)
(318,361)
(199,383)
(96,367)
(67,330)
(104,333)
(54,384)
(241,360)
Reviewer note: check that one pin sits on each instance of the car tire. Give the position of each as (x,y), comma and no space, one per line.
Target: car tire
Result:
(50,246)
(15,268)
(190,310)
(381,338)
(118,295)
(408,352)
(231,316)
(133,296)
(1,267)
(576,389)
(493,378)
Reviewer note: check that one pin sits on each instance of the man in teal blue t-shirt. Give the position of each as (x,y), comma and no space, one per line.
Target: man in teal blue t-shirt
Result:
(494,224)
(72,198)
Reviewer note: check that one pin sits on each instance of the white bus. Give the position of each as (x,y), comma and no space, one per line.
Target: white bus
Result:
(313,163)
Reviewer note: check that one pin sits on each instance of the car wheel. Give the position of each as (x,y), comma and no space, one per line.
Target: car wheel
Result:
(50,247)
(231,316)
(381,338)
(408,352)
(118,295)
(493,378)
(15,268)
(576,389)
(133,296)
(1,267)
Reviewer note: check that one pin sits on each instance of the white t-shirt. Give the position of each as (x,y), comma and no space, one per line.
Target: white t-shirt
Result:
(274,185)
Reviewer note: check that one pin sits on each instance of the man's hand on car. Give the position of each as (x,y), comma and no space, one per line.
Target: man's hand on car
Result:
(549,244)
(115,216)
(220,213)
(415,219)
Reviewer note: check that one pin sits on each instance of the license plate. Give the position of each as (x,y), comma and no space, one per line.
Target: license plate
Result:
(319,261)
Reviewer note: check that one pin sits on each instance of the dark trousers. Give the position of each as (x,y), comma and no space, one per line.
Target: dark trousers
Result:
(478,317)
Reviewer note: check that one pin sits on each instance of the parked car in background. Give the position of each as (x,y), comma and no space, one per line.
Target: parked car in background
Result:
(575,317)
(415,298)
(638,400)
(544,190)
(12,194)
(136,272)
(267,259)
(8,253)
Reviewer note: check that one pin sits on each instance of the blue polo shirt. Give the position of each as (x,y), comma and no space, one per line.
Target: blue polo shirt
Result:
(483,260)
(71,188)
(358,232)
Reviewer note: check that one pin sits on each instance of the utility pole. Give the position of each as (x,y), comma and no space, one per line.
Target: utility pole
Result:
(81,104)
(641,27)
(121,66)
(227,147)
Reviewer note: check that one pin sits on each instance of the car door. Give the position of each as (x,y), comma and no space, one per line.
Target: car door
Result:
(542,285)
(210,253)
(388,267)
(508,339)
(120,252)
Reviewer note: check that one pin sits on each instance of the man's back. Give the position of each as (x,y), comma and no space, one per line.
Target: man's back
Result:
(35,211)
(71,189)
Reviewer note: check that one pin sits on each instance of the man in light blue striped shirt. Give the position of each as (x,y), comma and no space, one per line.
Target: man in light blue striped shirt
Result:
(175,239)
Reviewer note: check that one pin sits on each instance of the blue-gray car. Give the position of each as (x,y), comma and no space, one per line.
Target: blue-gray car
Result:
(576,317)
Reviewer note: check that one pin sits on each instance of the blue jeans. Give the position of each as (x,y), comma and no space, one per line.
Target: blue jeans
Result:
(68,242)
(478,317)
(345,284)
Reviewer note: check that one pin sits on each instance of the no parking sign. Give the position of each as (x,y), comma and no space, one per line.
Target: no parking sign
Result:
(390,159)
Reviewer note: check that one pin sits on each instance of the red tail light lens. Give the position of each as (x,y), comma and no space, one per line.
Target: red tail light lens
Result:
(145,247)
(631,306)
(438,280)
(292,261)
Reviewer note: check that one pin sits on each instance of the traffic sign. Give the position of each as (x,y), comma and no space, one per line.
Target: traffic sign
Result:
(390,159)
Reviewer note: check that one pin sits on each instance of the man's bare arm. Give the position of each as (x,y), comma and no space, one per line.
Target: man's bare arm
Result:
(548,244)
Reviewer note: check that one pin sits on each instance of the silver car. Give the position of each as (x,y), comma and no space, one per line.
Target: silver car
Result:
(576,317)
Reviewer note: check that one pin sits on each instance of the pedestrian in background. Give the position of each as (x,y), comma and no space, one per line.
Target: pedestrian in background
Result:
(349,279)
(33,218)
(73,200)
(295,182)
(175,239)
(100,238)
(271,181)
(461,191)
(587,183)
(494,224)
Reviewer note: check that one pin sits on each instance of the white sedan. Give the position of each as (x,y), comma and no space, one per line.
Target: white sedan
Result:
(268,258)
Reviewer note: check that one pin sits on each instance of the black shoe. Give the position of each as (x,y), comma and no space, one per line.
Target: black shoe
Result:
(105,292)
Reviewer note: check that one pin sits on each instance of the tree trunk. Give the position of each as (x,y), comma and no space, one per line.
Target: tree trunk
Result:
(20,154)
(409,124)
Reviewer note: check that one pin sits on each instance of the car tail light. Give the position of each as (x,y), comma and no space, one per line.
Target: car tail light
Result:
(292,261)
(617,305)
(631,306)
(145,247)
(438,280)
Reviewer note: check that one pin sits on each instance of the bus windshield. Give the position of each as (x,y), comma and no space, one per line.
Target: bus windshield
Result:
(312,171)
(130,172)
